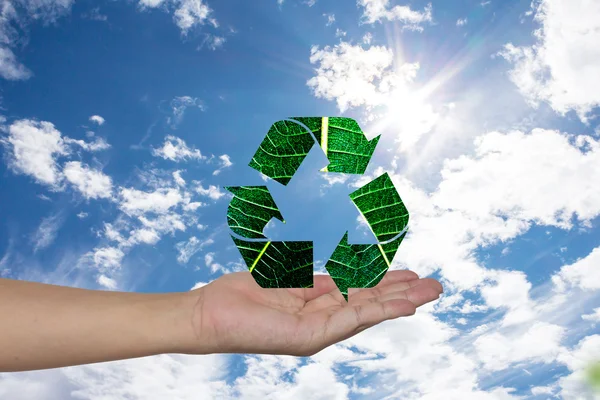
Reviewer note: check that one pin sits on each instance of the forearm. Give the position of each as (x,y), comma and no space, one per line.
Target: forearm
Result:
(48,326)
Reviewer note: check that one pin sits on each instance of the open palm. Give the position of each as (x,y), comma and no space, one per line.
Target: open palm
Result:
(235,315)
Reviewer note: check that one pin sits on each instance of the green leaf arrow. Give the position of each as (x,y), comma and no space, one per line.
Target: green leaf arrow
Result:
(381,205)
(250,209)
(343,142)
(278,264)
(361,265)
(364,265)
(282,151)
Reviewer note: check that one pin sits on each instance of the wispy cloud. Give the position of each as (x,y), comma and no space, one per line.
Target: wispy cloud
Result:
(178,107)
(224,163)
(190,247)
(46,232)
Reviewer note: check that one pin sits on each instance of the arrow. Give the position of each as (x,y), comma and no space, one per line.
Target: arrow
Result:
(343,142)
(287,264)
(363,265)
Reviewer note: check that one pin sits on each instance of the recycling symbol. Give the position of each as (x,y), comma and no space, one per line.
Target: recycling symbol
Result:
(289,264)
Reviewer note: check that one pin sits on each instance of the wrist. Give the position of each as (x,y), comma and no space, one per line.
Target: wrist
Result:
(180,320)
(169,322)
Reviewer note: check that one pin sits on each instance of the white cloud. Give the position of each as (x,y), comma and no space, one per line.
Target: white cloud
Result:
(583,273)
(461,21)
(82,215)
(340,33)
(540,343)
(137,202)
(193,206)
(561,68)
(143,235)
(46,232)
(106,282)
(516,175)
(334,179)
(578,359)
(511,291)
(95,15)
(540,390)
(330,19)
(191,13)
(165,223)
(173,377)
(212,191)
(213,42)
(594,316)
(98,145)
(178,179)
(192,246)
(266,378)
(494,196)
(354,76)
(367,38)
(106,258)
(112,232)
(411,358)
(10,67)
(377,10)
(179,105)
(34,148)
(175,149)
(209,261)
(224,162)
(127,232)
(199,285)
(97,119)
(91,183)
(188,13)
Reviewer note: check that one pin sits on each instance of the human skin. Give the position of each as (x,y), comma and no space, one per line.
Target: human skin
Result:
(49,326)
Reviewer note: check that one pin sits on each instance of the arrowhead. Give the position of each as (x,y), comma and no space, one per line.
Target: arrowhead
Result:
(361,265)
(250,210)
(364,265)
(344,143)
(281,152)
(379,202)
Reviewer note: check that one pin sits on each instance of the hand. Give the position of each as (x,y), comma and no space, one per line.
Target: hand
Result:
(233,314)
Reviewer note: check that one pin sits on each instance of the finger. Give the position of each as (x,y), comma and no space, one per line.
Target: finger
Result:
(402,275)
(397,275)
(418,295)
(323,284)
(378,291)
(349,321)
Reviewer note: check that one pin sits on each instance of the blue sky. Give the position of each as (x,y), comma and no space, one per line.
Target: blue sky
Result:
(121,122)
